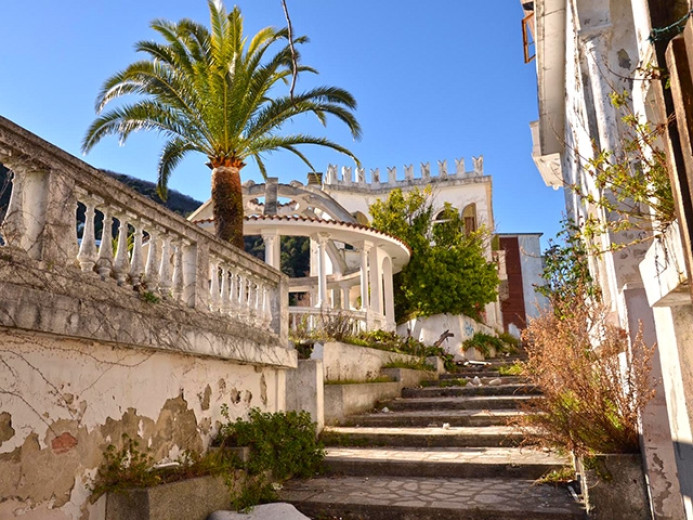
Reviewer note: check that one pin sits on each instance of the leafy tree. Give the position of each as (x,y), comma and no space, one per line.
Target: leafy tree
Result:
(566,270)
(217,93)
(448,271)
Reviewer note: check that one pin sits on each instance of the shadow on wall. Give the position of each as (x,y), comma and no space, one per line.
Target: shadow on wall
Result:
(684,460)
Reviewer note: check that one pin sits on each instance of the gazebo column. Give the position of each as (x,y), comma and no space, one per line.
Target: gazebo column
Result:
(346,291)
(272,249)
(374,277)
(365,250)
(388,293)
(321,239)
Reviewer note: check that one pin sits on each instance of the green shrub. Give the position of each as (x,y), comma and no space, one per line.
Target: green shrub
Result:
(283,443)
(483,343)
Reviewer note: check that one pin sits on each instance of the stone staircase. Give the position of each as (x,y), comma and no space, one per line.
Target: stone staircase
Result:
(440,452)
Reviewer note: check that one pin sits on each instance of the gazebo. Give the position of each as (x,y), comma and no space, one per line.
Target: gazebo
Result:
(351,265)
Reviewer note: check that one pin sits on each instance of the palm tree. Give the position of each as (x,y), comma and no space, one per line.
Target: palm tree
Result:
(215,93)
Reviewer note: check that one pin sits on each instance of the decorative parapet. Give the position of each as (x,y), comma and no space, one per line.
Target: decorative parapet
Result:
(357,177)
(134,249)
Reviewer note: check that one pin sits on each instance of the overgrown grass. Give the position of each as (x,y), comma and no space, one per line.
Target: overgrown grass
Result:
(129,467)
(516,369)
(557,477)
(412,365)
(595,383)
(379,379)
(339,327)
(446,383)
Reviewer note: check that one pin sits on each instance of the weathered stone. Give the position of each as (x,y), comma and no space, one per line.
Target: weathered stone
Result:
(263,512)
(192,499)
(6,430)
(614,487)
(63,443)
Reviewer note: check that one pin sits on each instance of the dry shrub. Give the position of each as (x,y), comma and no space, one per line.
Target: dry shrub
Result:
(594,386)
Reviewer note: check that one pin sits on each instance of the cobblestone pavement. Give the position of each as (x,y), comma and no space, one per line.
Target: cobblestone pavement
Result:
(447,493)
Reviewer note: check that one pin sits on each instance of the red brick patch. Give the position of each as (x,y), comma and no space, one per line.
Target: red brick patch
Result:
(63,443)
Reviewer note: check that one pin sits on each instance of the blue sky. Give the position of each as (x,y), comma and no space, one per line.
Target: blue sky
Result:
(437,80)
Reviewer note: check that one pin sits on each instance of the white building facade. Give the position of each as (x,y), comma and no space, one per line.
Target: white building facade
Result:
(585,51)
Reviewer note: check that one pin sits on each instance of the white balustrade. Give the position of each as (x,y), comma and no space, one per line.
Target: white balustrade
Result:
(129,240)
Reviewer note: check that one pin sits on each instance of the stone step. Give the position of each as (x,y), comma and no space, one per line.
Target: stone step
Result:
(454,436)
(388,498)
(469,372)
(505,380)
(490,402)
(434,417)
(518,463)
(471,390)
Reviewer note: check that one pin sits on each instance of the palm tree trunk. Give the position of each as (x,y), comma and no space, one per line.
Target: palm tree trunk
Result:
(227,201)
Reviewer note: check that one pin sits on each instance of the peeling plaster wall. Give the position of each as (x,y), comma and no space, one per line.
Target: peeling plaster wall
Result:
(63,401)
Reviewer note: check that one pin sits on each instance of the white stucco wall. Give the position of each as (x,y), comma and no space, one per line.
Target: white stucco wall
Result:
(428,330)
(532,267)
(64,401)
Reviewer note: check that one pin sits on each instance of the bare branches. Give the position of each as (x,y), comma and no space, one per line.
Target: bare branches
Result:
(294,60)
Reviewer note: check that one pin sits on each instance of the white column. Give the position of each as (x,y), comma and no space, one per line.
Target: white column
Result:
(364,275)
(321,239)
(375,278)
(346,291)
(272,249)
(389,294)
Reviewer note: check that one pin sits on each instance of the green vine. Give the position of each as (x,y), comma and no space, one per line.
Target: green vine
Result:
(631,191)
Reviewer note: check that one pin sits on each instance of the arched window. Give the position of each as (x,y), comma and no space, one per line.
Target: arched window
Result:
(469,218)
(360,218)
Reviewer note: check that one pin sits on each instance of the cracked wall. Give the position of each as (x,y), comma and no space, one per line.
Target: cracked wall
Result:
(62,402)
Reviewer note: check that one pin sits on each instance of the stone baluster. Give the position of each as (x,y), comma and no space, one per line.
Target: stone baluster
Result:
(189,271)
(267,306)
(177,287)
(151,271)
(87,254)
(136,261)
(165,266)
(121,264)
(252,299)
(243,295)
(259,290)
(214,294)
(225,289)
(13,226)
(233,292)
(104,263)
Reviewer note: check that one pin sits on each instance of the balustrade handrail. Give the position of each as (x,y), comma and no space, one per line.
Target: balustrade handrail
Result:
(169,253)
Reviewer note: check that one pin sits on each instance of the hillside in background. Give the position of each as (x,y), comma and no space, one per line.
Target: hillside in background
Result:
(177,202)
